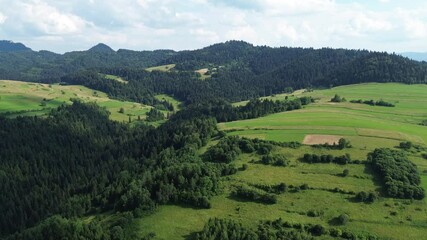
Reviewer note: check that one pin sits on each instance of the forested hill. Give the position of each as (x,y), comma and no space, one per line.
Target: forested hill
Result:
(236,70)
(9,46)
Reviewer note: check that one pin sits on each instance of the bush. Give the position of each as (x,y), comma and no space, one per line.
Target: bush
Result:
(366,197)
(244,167)
(343,219)
(275,160)
(405,145)
(254,195)
(345,172)
(318,230)
(337,99)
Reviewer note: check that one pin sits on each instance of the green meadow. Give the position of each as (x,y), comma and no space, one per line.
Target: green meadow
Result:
(367,127)
(29,99)
(115,78)
(346,119)
(387,218)
(162,68)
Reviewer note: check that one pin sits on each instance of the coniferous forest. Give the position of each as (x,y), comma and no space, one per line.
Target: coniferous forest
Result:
(75,163)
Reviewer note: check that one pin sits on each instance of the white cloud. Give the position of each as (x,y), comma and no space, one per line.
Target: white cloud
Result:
(50,20)
(2,18)
(364,23)
(287,31)
(150,24)
(292,7)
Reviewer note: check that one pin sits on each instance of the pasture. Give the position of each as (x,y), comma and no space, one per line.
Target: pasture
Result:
(366,127)
(347,119)
(162,68)
(386,218)
(29,99)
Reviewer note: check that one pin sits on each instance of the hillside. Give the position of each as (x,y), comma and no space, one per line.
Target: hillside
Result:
(231,141)
(9,46)
(329,193)
(237,69)
(30,99)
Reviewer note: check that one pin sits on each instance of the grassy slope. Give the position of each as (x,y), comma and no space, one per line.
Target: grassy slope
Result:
(163,68)
(348,119)
(365,126)
(22,96)
(113,77)
(176,104)
(177,222)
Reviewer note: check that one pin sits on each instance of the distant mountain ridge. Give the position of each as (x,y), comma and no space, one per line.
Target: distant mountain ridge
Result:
(9,46)
(101,48)
(235,67)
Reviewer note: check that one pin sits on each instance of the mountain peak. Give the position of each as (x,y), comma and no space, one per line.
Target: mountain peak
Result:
(9,46)
(101,47)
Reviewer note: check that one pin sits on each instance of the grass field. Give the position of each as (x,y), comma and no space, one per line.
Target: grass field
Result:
(348,119)
(176,104)
(113,77)
(22,98)
(409,222)
(366,127)
(162,68)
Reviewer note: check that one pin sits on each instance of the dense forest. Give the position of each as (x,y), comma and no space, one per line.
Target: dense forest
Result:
(242,71)
(76,162)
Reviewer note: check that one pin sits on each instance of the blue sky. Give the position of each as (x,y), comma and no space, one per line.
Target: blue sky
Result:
(66,25)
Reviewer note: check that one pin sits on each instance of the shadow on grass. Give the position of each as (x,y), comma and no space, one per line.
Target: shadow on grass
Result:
(190,236)
(245,200)
(376,179)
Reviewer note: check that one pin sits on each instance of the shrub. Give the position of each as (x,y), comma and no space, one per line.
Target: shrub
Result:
(318,230)
(343,219)
(337,99)
(345,172)
(405,145)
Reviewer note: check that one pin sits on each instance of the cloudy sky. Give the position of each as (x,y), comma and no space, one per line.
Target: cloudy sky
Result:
(65,25)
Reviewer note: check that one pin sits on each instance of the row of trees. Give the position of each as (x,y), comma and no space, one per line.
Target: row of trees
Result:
(342,143)
(278,229)
(250,194)
(314,158)
(228,148)
(371,102)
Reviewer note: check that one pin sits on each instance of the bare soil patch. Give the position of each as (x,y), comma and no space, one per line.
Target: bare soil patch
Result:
(321,139)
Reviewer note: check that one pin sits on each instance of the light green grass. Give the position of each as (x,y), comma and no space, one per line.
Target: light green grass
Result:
(162,68)
(366,127)
(348,119)
(177,222)
(115,78)
(176,104)
(24,99)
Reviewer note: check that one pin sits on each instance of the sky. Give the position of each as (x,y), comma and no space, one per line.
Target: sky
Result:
(68,25)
